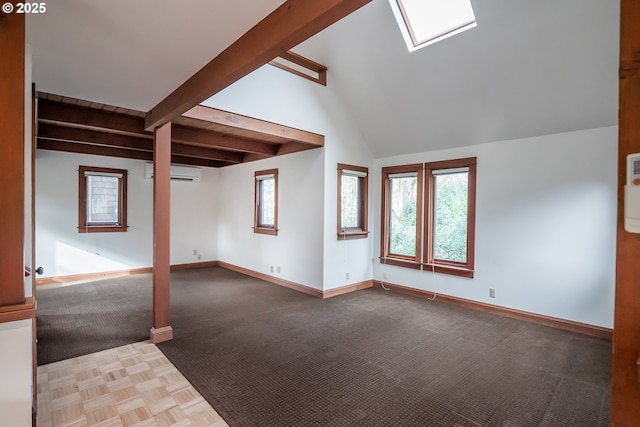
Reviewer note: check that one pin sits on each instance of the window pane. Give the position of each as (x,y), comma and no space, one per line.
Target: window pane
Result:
(402,226)
(267,202)
(350,214)
(450,222)
(102,200)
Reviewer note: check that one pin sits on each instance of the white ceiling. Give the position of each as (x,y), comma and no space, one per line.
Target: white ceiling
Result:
(529,68)
(133,53)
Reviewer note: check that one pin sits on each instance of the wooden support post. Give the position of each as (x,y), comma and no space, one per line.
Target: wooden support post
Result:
(625,398)
(12,68)
(161,330)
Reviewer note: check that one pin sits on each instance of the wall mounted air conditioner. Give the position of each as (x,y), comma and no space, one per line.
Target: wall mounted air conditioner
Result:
(178,172)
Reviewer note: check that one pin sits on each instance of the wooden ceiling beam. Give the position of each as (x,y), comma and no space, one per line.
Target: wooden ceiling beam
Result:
(316,72)
(194,161)
(252,157)
(192,136)
(206,153)
(87,118)
(92,137)
(73,116)
(289,25)
(238,121)
(294,147)
(100,150)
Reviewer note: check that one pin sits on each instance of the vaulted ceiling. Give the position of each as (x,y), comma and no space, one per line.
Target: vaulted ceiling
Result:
(529,68)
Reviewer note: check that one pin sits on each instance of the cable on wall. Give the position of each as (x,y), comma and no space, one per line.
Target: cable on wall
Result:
(433,274)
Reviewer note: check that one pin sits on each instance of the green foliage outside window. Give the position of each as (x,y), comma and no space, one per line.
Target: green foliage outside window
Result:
(403,216)
(450,228)
(350,199)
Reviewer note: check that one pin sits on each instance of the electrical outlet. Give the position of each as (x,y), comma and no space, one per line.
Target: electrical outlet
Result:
(195,252)
(199,257)
(271,269)
(384,275)
(278,269)
(492,293)
(347,276)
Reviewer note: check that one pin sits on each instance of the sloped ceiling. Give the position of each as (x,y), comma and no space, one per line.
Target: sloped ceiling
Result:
(529,68)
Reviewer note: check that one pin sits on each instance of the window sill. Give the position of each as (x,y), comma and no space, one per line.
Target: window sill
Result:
(103,229)
(399,262)
(266,230)
(449,269)
(349,235)
(438,268)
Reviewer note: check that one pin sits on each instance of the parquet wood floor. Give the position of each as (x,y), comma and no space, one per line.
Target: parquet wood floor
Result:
(129,386)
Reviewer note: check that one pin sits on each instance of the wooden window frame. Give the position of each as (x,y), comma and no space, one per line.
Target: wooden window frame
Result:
(257,226)
(385,242)
(424,259)
(464,269)
(121,226)
(361,232)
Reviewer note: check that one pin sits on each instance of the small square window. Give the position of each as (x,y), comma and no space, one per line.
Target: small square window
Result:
(102,200)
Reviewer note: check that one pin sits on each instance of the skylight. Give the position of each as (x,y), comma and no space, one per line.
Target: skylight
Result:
(424,22)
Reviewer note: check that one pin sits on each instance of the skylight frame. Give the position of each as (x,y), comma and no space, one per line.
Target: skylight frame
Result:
(409,34)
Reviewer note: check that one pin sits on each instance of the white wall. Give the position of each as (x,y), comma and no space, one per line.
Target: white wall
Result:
(545,226)
(16,371)
(275,95)
(194,219)
(61,250)
(297,249)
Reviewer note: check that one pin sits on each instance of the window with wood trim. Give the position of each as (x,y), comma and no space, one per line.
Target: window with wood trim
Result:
(102,200)
(266,202)
(428,216)
(353,189)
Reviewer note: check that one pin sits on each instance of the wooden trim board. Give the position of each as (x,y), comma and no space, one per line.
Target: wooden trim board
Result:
(554,322)
(158,335)
(346,289)
(271,279)
(57,280)
(297,286)
(12,313)
(192,265)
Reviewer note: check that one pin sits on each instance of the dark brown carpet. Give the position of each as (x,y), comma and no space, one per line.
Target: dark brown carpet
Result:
(82,319)
(263,355)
